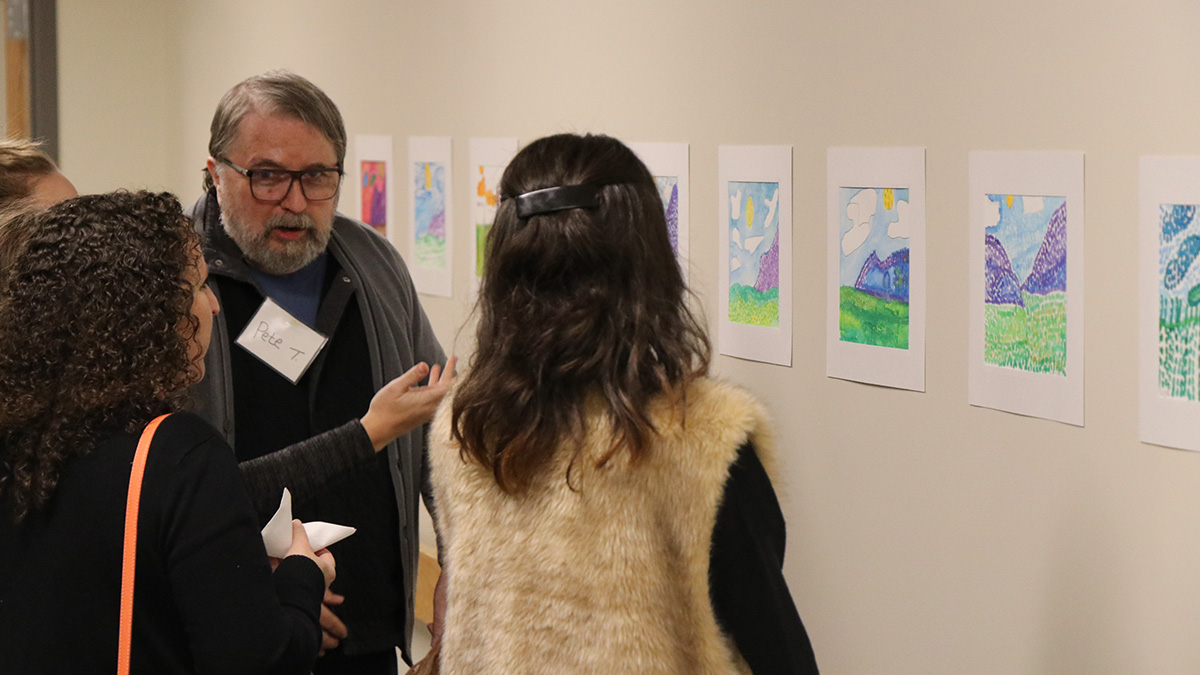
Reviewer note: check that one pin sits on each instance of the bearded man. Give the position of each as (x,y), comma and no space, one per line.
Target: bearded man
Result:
(315,360)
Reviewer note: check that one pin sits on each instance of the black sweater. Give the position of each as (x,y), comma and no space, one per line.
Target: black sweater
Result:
(749,595)
(205,600)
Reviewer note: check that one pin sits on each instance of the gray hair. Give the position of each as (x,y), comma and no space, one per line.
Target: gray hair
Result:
(276,92)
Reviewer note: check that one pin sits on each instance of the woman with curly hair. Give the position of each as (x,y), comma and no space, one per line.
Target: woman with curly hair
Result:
(105,316)
(602,503)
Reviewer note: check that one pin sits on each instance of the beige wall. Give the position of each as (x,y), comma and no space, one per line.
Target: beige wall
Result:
(119,87)
(925,536)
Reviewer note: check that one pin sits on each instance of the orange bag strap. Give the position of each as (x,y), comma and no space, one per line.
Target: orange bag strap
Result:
(129,558)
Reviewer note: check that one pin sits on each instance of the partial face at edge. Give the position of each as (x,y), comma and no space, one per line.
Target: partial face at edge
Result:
(204,308)
(52,188)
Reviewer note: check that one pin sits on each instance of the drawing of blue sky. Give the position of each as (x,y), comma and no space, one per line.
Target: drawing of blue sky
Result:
(1176,224)
(750,239)
(865,225)
(429,198)
(664,185)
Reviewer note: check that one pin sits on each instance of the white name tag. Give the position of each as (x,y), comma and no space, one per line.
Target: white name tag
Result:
(281,341)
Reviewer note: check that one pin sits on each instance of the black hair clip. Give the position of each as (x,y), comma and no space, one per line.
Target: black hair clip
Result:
(559,198)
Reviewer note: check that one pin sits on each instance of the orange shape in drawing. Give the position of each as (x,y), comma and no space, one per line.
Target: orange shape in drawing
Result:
(482,191)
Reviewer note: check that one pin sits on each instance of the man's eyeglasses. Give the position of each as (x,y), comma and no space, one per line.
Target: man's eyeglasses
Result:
(273,185)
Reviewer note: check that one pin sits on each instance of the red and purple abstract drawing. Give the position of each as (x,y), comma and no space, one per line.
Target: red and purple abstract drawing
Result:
(374,195)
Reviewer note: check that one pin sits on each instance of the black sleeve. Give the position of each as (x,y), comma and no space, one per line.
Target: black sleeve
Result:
(238,616)
(305,467)
(749,594)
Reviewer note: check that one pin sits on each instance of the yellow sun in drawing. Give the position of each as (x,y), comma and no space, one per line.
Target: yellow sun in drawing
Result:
(428,177)
(1008,200)
(889,198)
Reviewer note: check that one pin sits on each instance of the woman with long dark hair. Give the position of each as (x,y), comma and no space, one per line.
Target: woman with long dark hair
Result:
(602,502)
(105,316)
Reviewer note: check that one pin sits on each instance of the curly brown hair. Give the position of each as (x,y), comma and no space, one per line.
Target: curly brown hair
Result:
(574,304)
(95,323)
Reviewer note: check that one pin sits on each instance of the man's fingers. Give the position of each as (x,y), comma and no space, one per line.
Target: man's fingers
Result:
(327,642)
(332,625)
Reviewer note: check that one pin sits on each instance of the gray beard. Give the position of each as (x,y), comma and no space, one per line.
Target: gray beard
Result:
(271,258)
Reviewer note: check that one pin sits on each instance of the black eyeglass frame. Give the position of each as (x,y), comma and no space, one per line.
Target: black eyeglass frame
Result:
(295,177)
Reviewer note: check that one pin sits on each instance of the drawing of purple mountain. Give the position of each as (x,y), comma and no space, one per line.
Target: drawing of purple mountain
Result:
(768,269)
(673,218)
(1002,285)
(437,226)
(888,279)
(1049,273)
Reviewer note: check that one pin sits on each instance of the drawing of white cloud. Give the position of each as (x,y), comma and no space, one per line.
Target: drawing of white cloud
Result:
(1034,204)
(772,204)
(734,264)
(736,236)
(860,210)
(752,243)
(992,215)
(902,228)
(735,206)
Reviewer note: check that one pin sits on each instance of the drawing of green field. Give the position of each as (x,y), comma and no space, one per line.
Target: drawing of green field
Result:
(756,308)
(481,235)
(1032,338)
(1178,356)
(869,320)
(431,252)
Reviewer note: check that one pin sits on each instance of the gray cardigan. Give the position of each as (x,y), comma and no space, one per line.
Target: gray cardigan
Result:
(398,336)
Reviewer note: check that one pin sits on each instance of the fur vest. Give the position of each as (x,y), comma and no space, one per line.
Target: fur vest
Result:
(608,577)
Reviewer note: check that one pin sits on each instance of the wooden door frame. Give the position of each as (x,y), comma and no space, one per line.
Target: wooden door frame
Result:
(31,71)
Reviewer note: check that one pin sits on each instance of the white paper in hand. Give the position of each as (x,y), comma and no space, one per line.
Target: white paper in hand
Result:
(277,535)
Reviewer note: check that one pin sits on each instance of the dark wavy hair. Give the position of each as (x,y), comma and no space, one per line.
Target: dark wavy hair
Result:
(573,305)
(95,323)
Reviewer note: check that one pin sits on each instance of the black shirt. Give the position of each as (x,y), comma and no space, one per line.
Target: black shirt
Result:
(205,598)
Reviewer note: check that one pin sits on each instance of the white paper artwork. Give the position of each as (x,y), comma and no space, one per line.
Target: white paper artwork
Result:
(430,233)
(374,172)
(1026,284)
(1169,302)
(754,226)
(489,157)
(277,533)
(875,319)
(668,162)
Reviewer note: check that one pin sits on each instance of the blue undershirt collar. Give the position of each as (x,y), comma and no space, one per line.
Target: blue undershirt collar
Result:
(299,293)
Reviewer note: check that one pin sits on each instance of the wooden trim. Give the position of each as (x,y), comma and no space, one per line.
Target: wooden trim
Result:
(16,74)
(428,572)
